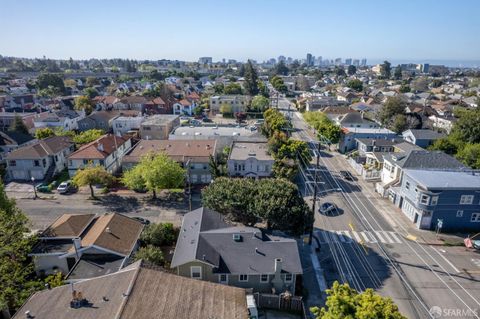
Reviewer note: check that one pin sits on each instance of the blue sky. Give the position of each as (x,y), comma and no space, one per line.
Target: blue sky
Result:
(185,30)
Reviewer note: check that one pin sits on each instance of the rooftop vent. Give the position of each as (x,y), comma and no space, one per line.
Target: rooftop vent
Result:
(108,230)
(251,154)
(237,237)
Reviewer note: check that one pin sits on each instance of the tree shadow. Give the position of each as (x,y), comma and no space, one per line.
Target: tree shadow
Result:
(119,204)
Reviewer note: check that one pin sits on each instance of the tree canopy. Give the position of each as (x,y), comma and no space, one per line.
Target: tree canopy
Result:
(280,68)
(43,132)
(87,136)
(259,103)
(277,202)
(324,126)
(278,84)
(18,125)
(274,121)
(394,106)
(92,175)
(233,88)
(251,79)
(83,103)
(352,69)
(47,80)
(155,172)
(355,84)
(344,302)
(385,70)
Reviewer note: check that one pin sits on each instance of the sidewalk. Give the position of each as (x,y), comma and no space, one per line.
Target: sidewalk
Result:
(397,219)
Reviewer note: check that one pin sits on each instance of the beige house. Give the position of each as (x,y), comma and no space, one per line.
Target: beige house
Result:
(250,159)
(238,103)
(158,127)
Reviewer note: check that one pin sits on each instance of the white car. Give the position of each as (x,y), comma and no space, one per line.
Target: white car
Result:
(64,187)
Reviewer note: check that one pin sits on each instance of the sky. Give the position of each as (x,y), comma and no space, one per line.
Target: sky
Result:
(242,29)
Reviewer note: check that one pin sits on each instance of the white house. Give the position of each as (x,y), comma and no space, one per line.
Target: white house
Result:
(250,159)
(123,124)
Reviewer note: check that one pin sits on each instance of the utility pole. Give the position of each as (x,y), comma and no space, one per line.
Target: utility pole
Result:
(317,168)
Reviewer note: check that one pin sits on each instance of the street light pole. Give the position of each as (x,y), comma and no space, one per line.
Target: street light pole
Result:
(317,167)
(34,188)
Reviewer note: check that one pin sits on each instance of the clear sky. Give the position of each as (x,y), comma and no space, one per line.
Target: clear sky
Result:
(240,29)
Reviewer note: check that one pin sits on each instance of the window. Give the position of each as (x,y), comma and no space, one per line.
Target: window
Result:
(12,163)
(288,277)
(475,218)
(434,200)
(407,185)
(85,162)
(196,272)
(424,199)
(102,162)
(263,278)
(36,163)
(223,278)
(466,200)
(56,158)
(44,162)
(235,167)
(70,163)
(245,277)
(459,213)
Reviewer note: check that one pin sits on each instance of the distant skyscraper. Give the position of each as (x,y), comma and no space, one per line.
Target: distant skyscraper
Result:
(364,62)
(356,62)
(309,60)
(289,60)
(348,61)
(338,61)
(205,60)
(318,61)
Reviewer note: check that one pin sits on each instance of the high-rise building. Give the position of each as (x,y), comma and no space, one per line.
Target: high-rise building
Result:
(364,62)
(348,61)
(309,60)
(205,60)
(338,61)
(318,61)
(356,62)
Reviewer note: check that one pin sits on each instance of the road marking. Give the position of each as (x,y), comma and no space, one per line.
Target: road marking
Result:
(411,237)
(391,233)
(364,235)
(448,261)
(381,237)
(340,236)
(389,239)
(357,237)
(348,237)
(476,262)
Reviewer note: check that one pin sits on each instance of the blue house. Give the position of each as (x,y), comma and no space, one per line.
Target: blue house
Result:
(427,196)
(422,138)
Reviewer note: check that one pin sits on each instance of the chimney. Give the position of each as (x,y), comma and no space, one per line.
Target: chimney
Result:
(100,147)
(373,142)
(77,242)
(278,265)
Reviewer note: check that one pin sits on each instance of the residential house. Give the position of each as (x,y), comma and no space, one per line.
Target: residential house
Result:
(124,124)
(422,138)
(315,103)
(65,119)
(158,127)
(102,120)
(157,106)
(134,102)
(86,245)
(194,155)
(106,151)
(427,197)
(394,163)
(250,159)
(105,103)
(347,97)
(11,140)
(209,249)
(184,107)
(238,103)
(138,291)
(355,120)
(444,123)
(351,134)
(40,160)
(366,145)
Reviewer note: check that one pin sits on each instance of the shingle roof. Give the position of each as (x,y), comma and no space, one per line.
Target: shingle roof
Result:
(425,134)
(69,225)
(205,236)
(100,148)
(114,232)
(418,159)
(245,150)
(42,148)
(139,292)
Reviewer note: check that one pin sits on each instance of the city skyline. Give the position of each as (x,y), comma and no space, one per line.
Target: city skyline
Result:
(374,30)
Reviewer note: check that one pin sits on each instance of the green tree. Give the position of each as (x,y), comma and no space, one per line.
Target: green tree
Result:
(352,69)
(276,202)
(92,175)
(324,126)
(339,71)
(355,84)
(399,123)
(280,68)
(226,109)
(278,84)
(44,132)
(395,105)
(404,88)
(285,168)
(216,167)
(260,103)
(87,136)
(83,103)
(90,92)
(55,280)
(233,88)
(151,254)
(467,126)
(197,111)
(251,80)
(385,70)
(16,270)
(18,125)
(274,121)
(46,80)
(470,155)
(397,74)
(446,145)
(344,302)
(161,234)
(155,172)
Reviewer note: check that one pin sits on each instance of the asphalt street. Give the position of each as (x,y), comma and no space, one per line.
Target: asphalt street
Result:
(366,246)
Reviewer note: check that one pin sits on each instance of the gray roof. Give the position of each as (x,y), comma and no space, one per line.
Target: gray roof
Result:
(380,141)
(160,119)
(354,117)
(206,237)
(445,179)
(424,134)
(95,265)
(418,159)
(245,150)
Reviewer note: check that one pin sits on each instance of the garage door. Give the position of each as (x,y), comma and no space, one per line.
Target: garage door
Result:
(19,175)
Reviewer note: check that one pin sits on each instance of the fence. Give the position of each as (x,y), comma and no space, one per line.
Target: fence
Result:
(280,302)
(367,174)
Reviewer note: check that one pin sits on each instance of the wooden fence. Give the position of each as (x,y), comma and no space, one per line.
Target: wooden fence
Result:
(280,302)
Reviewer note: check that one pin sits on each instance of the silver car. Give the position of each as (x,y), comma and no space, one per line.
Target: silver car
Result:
(64,187)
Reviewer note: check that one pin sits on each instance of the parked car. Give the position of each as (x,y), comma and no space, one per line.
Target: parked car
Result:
(65,187)
(42,188)
(347,175)
(142,220)
(207,120)
(327,207)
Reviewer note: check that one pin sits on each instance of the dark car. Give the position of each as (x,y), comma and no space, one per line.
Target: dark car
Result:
(207,120)
(326,208)
(347,175)
(142,220)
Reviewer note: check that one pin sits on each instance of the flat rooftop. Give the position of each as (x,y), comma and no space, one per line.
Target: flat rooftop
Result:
(51,246)
(445,179)
(159,119)
(212,131)
(244,150)
(91,266)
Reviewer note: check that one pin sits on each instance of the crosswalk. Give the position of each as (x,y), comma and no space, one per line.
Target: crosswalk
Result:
(350,236)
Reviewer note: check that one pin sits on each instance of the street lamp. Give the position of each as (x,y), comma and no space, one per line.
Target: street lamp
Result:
(34,188)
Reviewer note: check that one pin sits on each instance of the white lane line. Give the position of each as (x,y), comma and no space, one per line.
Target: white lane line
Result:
(340,236)
(357,237)
(388,238)
(367,240)
(448,261)
(333,238)
(394,235)
(348,237)
(377,233)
